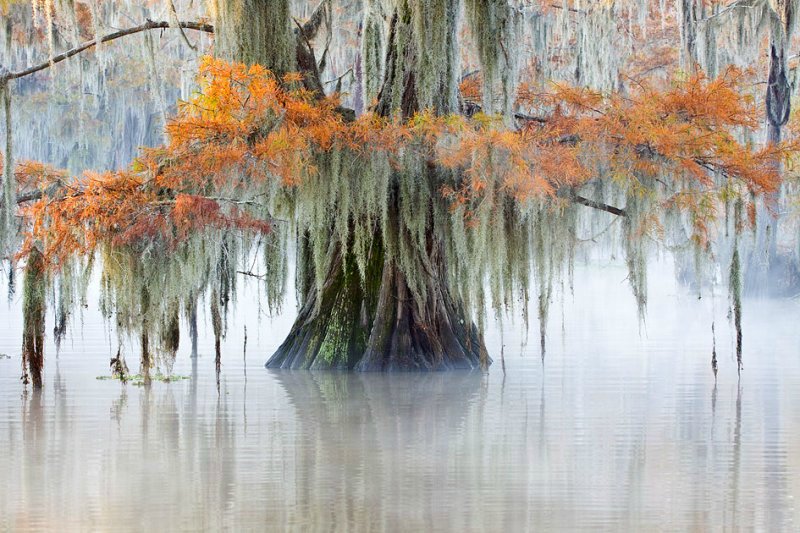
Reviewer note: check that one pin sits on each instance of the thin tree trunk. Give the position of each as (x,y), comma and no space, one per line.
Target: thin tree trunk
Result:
(33,309)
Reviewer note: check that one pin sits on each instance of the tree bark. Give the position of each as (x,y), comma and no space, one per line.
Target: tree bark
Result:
(374,324)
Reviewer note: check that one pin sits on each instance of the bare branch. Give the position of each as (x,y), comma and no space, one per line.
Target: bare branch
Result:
(29,197)
(312,26)
(576,198)
(149,25)
(174,20)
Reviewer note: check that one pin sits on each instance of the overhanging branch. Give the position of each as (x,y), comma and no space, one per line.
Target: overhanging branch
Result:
(149,25)
(578,199)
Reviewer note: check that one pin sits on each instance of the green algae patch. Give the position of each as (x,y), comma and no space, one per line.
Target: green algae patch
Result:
(140,380)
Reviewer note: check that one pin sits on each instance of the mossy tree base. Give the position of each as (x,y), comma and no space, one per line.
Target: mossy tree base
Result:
(374,324)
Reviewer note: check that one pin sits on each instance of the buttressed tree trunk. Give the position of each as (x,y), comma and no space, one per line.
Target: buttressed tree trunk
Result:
(373,322)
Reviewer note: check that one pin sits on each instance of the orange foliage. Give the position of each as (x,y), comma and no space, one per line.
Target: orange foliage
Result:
(683,133)
(245,127)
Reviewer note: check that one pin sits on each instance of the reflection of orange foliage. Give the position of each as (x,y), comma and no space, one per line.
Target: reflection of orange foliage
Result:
(245,128)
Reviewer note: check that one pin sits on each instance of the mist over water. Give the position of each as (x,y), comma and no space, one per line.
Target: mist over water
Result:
(621,427)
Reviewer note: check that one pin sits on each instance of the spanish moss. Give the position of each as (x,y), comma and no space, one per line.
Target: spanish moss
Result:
(256,31)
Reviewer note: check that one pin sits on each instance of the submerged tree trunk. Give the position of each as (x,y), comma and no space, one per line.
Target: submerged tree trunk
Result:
(33,310)
(146,359)
(374,324)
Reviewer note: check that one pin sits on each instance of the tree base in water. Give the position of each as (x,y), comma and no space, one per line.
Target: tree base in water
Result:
(33,311)
(375,324)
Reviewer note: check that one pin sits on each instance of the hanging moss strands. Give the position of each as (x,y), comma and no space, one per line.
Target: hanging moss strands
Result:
(373,51)
(422,64)
(634,244)
(552,249)
(597,64)
(190,310)
(33,313)
(69,291)
(435,25)
(256,31)
(495,27)
(131,279)
(226,274)
(276,268)
(171,334)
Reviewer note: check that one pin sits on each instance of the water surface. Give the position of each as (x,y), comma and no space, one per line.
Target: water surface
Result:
(621,427)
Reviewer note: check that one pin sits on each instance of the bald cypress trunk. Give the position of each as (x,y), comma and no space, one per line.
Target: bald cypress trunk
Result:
(440,336)
(372,321)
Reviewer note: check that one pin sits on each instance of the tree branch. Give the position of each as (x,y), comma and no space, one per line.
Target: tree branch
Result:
(311,27)
(571,195)
(29,197)
(740,4)
(149,25)
(576,198)
(174,20)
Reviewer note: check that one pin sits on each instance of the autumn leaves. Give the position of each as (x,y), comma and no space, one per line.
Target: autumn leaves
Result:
(246,130)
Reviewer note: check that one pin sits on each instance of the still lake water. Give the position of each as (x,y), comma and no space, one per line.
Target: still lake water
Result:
(617,429)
